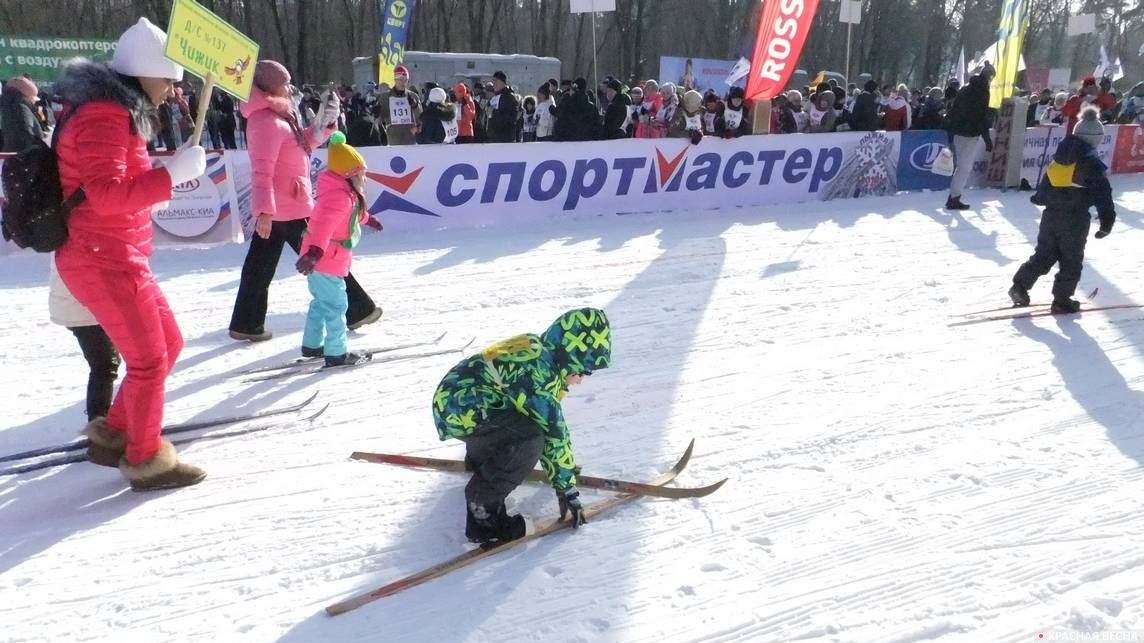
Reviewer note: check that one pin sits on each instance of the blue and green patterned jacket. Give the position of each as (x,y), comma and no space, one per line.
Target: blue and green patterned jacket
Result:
(528,373)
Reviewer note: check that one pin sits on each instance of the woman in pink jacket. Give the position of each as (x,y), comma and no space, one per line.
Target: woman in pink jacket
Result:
(105,263)
(327,251)
(280,175)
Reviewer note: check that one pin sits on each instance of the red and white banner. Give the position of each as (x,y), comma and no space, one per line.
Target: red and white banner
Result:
(782,33)
(1129,153)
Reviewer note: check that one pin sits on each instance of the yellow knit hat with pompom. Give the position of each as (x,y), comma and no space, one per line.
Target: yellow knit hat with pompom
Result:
(344,160)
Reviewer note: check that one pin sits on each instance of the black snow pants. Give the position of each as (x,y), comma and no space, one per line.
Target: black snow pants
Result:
(103,368)
(502,451)
(1061,239)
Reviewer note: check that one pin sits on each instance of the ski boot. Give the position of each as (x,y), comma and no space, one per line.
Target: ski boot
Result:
(349,359)
(491,524)
(1064,306)
(313,352)
(1019,295)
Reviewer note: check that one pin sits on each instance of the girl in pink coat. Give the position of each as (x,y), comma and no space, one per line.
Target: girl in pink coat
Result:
(280,176)
(327,251)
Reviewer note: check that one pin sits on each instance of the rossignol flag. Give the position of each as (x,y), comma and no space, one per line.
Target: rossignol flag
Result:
(1010,39)
(396,23)
(782,33)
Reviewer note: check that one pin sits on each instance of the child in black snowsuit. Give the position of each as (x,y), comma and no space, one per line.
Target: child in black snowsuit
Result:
(1075,181)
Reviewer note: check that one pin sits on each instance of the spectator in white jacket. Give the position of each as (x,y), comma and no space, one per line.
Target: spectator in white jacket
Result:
(545,106)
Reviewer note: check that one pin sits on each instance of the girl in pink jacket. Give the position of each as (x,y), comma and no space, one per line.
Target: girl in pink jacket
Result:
(327,251)
(280,176)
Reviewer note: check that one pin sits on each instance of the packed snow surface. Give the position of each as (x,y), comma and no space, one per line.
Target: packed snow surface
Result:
(892,478)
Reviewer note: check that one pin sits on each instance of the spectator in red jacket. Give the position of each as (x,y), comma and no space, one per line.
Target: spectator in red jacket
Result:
(466,113)
(105,264)
(1087,96)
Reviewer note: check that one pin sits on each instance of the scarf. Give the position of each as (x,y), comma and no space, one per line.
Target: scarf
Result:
(285,110)
(355,220)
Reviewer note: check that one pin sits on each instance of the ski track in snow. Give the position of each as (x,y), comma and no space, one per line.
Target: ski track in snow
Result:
(891,478)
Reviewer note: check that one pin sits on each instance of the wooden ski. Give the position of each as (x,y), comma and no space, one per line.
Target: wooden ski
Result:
(480,553)
(586,482)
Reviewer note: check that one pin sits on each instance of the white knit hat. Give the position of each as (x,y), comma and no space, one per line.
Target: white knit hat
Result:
(437,95)
(140,53)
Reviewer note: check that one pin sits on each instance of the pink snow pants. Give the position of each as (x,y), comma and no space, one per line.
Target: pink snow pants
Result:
(133,311)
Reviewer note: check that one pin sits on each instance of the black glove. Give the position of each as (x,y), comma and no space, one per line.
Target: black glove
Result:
(989,147)
(569,500)
(696,136)
(1103,232)
(306,262)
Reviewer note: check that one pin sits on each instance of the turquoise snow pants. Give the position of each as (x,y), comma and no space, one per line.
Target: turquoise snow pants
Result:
(326,321)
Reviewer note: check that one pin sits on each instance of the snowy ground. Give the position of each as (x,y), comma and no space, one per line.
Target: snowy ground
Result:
(892,478)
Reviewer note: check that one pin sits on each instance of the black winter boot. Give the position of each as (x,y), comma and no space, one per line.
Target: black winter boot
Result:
(349,359)
(1064,306)
(313,352)
(1019,295)
(486,524)
(954,203)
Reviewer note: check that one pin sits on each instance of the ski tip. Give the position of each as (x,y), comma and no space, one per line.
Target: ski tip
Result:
(686,456)
(309,400)
(440,337)
(712,488)
(318,414)
(471,341)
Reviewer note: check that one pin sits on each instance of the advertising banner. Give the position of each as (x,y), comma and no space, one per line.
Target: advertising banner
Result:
(396,23)
(1129,152)
(42,57)
(920,148)
(699,74)
(783,28)
(423,188)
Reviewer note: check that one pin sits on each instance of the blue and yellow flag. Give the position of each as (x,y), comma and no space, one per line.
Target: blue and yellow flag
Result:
(396,22)
(1010,40)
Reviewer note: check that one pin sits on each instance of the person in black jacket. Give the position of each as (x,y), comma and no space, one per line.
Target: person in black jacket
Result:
(1073,182)
(864,116)
(969,120)
(619,105)
(932,112)
(438,120)
(226,123)
(502,123)
(18,115)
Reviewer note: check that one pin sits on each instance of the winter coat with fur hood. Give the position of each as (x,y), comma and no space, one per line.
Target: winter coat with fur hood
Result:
(103,148)
(279,164)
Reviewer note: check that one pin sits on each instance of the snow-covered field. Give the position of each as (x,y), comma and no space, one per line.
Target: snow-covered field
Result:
(892,478)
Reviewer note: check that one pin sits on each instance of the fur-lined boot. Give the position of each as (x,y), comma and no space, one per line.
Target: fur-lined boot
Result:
(107,444)
(162,471)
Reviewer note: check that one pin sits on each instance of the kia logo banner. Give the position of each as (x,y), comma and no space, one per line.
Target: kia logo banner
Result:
(782,33)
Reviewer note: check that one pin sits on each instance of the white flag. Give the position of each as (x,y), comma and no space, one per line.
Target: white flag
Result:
(1102,69)
(740,70)
(1116,71)
(961,68)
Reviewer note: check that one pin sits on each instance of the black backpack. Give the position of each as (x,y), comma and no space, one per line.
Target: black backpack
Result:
(36,213)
